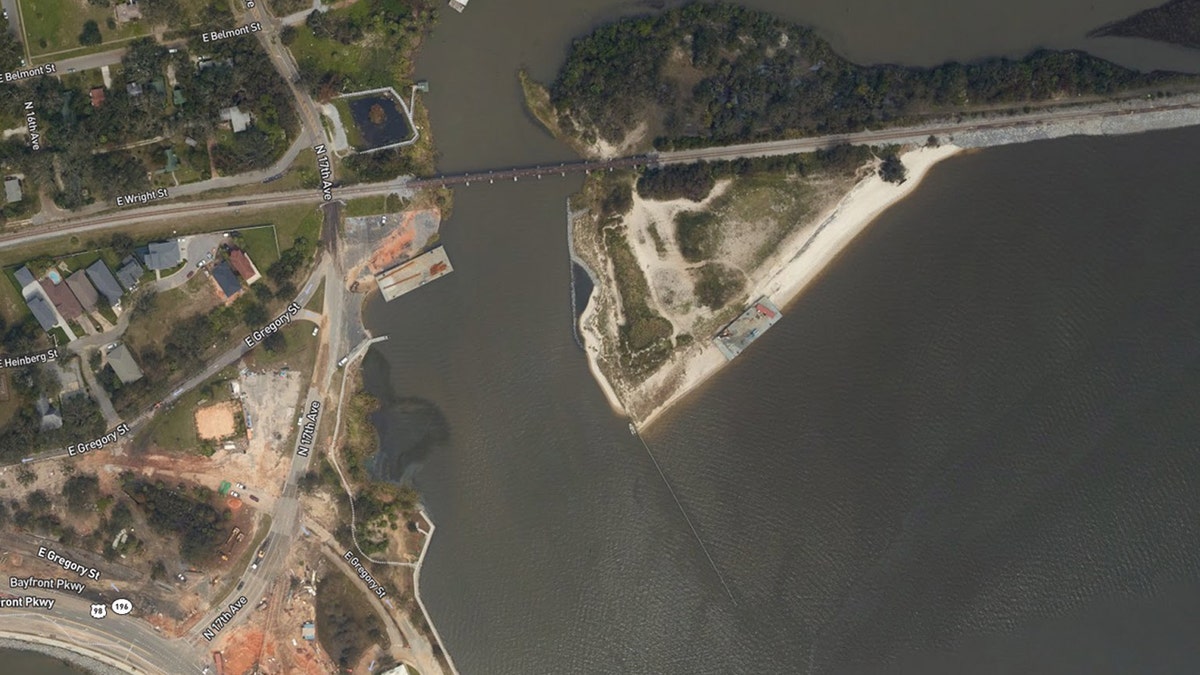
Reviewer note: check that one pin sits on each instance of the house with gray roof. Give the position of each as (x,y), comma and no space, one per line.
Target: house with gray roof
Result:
(105,282)
(163,255)
(42,311)
(123,365)
(226,279)
(12,189)
(83,289)
(238,120)
(129,273)
(24,277)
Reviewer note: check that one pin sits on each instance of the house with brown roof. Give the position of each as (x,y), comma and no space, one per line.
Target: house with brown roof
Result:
(83,289)
(97,95)
(243,266)
(63,299)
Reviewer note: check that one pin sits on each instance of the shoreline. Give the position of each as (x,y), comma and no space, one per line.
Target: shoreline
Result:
(802,260)
(56,649)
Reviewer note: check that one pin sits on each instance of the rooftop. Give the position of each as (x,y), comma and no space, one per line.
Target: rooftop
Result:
(12,189)
(83,289)
(223,274)
(164,255)
(123,364)
(63,299)
(105,282)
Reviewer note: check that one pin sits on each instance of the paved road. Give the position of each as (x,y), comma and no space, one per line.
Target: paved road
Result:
(125,639)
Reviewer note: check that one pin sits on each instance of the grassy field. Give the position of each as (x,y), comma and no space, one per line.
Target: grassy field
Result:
(365,206)
(306,222)
(12,305)
(259,244)
(53,26)
(298,354)
(195,296)
(317,302)
(175,429)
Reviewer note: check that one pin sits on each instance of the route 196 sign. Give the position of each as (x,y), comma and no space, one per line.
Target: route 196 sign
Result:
(99,611)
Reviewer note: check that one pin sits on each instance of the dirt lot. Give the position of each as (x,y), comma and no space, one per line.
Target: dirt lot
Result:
(216,422)
(413,231)
(271,401)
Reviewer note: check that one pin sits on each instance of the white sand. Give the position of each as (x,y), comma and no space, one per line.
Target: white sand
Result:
(800,261)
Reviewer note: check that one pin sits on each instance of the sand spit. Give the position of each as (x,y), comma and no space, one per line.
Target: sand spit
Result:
(798,261)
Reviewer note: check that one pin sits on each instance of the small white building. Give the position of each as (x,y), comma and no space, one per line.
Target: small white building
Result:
(237,119)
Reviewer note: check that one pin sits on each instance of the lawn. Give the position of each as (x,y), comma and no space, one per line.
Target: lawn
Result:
(53,26)
(305,223)
(12,305)
(298,354)
(366,206)
(195,296)
(259,243)
(175,428)
(317,302)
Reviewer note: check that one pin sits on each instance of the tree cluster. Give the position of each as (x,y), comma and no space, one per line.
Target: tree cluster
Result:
(764,78)
(188,515)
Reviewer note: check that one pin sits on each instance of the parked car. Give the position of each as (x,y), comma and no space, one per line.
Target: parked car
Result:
(241,486)
(315,330)
(253,498)
(234,494)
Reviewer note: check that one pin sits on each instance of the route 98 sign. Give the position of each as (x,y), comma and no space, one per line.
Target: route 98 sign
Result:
(99,610)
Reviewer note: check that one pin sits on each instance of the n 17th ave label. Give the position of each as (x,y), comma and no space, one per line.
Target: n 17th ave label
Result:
(326,169)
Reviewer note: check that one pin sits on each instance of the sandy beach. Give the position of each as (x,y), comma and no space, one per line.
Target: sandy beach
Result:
(799,261)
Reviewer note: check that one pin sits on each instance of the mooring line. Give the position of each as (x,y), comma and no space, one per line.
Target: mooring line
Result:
(695,533)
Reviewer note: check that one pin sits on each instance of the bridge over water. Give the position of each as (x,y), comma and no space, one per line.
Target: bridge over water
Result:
(535,172)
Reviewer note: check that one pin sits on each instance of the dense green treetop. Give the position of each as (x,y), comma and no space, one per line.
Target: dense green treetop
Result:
(707,73)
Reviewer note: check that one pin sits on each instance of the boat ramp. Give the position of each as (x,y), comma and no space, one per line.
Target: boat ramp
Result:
(413,274)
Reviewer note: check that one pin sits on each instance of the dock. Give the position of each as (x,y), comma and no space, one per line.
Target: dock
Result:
(458,5)
(414,274)
(748,327)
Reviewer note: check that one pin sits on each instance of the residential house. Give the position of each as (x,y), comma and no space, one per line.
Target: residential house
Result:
(97,95)
(83,289)
(223,274)
(237,119)
(12,189)
(105,282)
(244,266)
(42,311)
(129,273)
(63,299)
(163,255)
(133,89)
(24,277)
(123,365)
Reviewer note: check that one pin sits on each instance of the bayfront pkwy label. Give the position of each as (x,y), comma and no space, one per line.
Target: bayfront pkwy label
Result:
(280,321)
(223,618)
(310,429)
(213,36)
(27,602)
(53,584)
(326,169)
(373,585)
(67,564)
(44,69)
(142,198)
(35,139)
(29,359)
(97,443)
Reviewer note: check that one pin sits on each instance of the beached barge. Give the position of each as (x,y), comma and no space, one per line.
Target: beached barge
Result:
(413,274)
(748,327)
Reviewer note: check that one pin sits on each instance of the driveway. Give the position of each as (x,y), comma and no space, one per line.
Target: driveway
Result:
(194,249)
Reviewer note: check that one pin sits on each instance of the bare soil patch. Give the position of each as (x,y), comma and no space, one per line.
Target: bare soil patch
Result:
(216,422)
